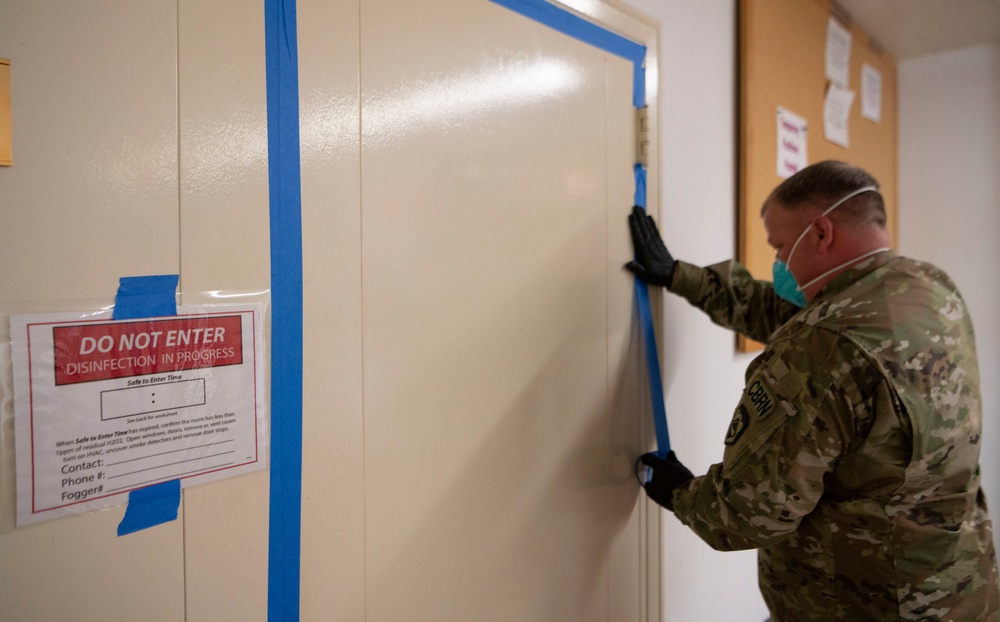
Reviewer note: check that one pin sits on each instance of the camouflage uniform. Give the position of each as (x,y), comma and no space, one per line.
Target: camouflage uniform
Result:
(852,460)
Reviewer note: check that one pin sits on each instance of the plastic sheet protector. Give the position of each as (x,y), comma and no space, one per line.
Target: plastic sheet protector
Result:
(104,407)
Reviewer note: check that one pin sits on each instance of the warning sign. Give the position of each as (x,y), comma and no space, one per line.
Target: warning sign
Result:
(103,407)
(84,353)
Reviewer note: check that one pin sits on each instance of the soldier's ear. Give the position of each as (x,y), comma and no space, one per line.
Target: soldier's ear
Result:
(824,232)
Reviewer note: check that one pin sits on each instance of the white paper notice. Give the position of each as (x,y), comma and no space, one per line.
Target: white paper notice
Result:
(836,110)
(838,53)
(871,93)
(103,407)
(792,142)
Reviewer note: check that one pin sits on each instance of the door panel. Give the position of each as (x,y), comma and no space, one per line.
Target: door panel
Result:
(333,478)
(92,197)
(224,246)
(487,200)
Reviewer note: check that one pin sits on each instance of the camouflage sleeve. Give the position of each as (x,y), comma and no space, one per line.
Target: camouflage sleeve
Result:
(793,422)
(732,298)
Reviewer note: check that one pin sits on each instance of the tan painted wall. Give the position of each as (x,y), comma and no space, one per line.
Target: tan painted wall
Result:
(92,196)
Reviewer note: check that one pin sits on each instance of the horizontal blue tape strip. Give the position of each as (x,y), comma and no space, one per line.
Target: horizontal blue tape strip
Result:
(151,506)
(146,296)
(575,26)
(139,297)
(284,176)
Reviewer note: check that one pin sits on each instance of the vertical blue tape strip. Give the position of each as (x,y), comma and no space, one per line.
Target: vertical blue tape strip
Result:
(592,34)
(640,186)
(138,297)
(284,176)
(649,338)
(639,83)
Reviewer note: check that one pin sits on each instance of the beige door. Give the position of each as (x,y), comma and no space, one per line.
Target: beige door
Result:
(474,428)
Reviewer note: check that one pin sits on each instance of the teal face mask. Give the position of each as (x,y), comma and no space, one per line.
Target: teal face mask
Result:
(785,285)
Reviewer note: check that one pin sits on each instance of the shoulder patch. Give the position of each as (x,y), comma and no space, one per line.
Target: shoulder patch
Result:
(789,382)
(760,398)
(778,369)
(738,426)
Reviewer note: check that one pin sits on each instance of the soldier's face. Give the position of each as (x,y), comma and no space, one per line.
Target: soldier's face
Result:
(784,226)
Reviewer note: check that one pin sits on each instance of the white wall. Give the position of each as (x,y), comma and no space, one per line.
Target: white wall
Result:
(703,372)
(949,190)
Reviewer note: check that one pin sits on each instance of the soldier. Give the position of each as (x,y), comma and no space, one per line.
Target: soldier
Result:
(852,459)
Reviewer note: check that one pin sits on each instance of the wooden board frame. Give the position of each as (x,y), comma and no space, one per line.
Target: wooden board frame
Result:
(6,150)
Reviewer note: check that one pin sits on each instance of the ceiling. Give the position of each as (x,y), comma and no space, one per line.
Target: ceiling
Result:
(908,28)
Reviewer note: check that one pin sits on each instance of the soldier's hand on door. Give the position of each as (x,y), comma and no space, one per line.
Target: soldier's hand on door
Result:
(653,262)
(662,476)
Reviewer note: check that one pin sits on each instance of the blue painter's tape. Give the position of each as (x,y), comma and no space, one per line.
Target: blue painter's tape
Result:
(575,26)
(138,297)
(151,506)
(640,185)
(653,366)
(649,338)
(638,85)
(146,296)
(284,176)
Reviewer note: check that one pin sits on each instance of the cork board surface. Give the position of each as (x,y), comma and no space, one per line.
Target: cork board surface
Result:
(783,64)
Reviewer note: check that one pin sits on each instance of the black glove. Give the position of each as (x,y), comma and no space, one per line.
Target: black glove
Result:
(668,474)
(653,262)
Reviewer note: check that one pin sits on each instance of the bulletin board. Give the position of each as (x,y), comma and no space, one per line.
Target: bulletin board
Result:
(783,65)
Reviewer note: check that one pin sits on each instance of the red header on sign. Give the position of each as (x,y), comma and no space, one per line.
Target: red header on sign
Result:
(88,352)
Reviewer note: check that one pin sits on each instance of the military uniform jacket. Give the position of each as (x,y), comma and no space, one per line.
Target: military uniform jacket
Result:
(852,459)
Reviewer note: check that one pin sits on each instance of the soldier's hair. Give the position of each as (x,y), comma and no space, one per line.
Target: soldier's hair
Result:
(822,184)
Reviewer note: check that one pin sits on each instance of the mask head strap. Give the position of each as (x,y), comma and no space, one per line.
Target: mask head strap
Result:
(849,196)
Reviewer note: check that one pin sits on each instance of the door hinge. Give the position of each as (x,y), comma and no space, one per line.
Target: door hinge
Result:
(642,135)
